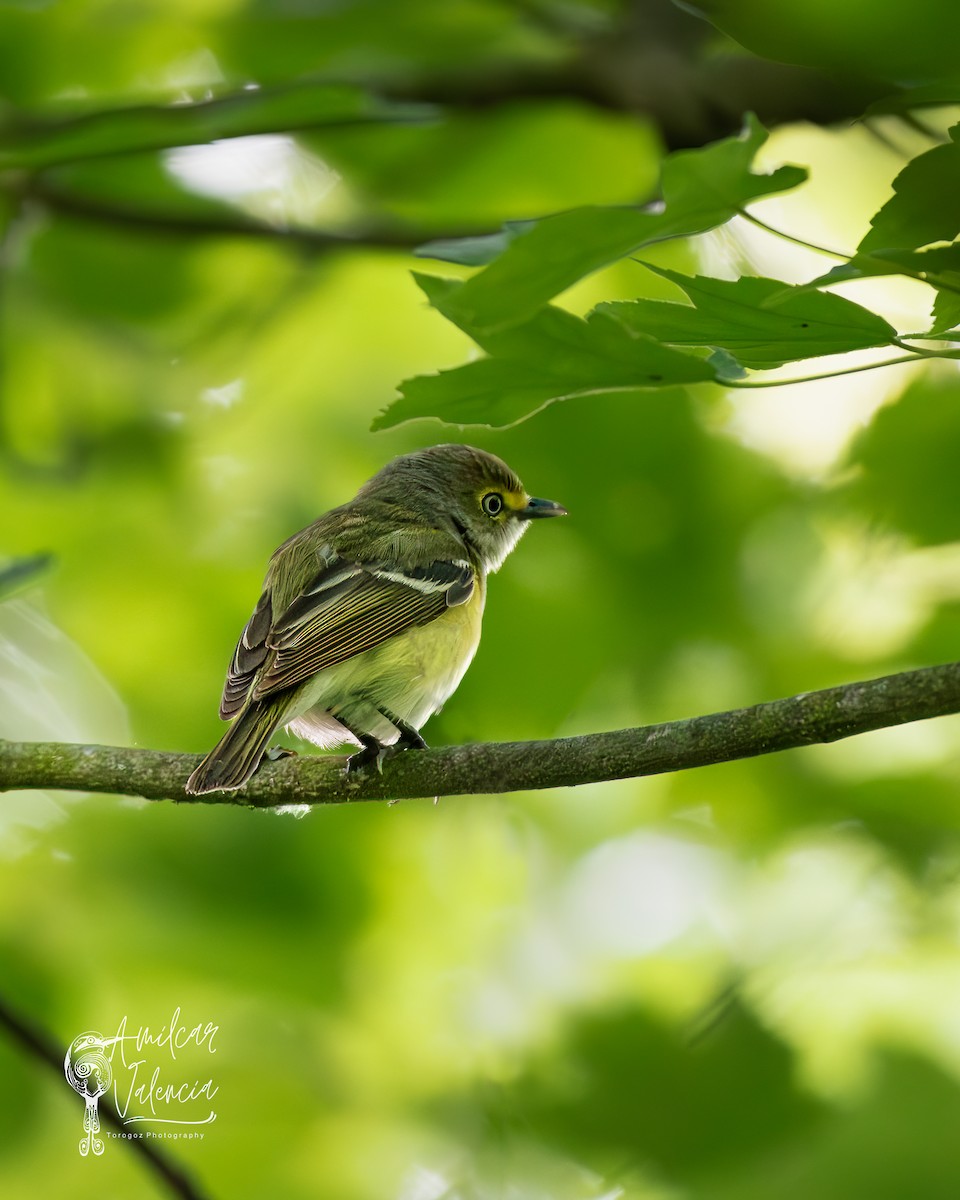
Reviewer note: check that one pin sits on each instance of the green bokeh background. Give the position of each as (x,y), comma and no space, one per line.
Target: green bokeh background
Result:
(734,982)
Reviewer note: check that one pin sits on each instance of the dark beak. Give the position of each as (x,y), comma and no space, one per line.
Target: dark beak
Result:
(541,508)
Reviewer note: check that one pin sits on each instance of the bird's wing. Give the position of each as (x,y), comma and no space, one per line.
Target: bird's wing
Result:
(349,607)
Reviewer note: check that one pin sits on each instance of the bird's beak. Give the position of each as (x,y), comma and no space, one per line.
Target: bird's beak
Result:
(541,508)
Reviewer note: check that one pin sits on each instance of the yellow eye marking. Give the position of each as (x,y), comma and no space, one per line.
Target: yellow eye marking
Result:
(515,501)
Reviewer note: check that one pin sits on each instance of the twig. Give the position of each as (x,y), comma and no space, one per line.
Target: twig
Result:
(914,356)
(72,204)
(803,720)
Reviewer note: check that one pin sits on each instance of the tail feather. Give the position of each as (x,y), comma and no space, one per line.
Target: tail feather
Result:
(238,753)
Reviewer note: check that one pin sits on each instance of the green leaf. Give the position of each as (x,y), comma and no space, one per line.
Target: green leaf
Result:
(763,323)
(940,267)
(490,391)
(553,356)
(946,311)
(701,189)
(480,167)
(935,265)
(474,251)
(923,208)
(861,266)
(154,127)
(854,42)
(706,187)
(935,260)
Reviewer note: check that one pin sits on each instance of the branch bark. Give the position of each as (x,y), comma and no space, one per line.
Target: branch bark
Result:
(803,720)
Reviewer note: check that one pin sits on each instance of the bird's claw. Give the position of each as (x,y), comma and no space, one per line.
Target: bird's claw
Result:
(372,754)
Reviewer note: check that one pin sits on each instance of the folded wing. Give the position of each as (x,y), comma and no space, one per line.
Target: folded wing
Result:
(349,607)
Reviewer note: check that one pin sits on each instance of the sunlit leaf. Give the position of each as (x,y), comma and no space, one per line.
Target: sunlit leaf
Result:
(937,265)
(763,323)
(946,311)
(923,208)
(701,189)
(553,356)
(474,251)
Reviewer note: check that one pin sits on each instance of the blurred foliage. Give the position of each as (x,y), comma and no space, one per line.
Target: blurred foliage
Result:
(747,323)
(874,38)
(736,982)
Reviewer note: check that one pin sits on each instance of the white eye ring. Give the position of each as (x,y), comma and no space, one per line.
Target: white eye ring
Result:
(492,504)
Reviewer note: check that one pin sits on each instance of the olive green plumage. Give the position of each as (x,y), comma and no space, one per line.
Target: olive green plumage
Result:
(370,616)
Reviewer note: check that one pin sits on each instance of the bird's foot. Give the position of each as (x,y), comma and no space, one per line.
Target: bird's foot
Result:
(372,754)
(375,753)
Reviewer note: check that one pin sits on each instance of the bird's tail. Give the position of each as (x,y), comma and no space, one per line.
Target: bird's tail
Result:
(238,753)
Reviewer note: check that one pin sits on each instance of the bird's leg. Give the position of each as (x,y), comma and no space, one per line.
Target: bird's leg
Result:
(409,738)
(372,754)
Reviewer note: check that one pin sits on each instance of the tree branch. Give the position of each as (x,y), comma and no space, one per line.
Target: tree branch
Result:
(225,224)
(804,720)
(690,100)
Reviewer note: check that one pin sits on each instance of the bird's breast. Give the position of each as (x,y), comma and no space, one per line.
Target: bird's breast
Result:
(432,659)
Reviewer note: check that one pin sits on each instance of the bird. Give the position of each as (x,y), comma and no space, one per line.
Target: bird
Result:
(370,616)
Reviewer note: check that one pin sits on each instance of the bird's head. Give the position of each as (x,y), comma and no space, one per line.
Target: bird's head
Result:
(471,492)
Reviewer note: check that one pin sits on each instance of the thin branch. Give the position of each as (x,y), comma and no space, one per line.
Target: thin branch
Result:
(914,356)
(923,352)
(803,720)
(789,237)
(691,97)
(41,1045)
(225,224)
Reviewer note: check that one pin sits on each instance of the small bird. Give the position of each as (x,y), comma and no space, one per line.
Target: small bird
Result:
(370,616)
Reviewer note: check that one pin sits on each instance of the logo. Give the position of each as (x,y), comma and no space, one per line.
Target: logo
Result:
(133,1070)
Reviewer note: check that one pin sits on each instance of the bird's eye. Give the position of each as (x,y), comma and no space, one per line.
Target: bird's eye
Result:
(492,504)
